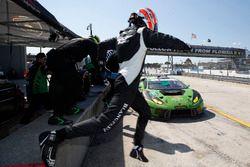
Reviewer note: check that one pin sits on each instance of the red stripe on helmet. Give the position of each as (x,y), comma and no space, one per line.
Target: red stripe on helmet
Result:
(146,15)
(153,15)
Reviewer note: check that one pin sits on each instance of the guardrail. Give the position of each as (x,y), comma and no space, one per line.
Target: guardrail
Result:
(220,78)
(214,77)
(71,153)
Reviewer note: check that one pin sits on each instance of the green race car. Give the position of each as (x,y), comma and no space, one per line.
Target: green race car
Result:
(167,96)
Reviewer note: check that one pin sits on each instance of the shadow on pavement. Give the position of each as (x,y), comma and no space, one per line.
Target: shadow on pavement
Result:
(106,149)
(158,144)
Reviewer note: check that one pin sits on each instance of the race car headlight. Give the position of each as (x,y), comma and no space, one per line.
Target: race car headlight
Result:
(157,101)
(151,97)
(196,99)
(196,96)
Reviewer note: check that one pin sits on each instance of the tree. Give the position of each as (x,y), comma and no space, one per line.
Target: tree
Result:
(167,63)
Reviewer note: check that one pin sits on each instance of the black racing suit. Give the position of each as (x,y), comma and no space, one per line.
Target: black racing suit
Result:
(131,47)
(66,82)
(111,68)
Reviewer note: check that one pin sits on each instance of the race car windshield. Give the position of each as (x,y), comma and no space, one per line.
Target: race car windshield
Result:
(166,85)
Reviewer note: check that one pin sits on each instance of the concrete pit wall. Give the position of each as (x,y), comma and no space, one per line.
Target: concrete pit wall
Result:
(71,153)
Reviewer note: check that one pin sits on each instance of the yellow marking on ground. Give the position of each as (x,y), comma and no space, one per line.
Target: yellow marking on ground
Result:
(229,116)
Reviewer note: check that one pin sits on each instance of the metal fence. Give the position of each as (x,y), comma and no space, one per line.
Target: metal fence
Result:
(220,78)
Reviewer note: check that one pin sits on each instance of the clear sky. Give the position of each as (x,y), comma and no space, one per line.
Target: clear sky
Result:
(225,22)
